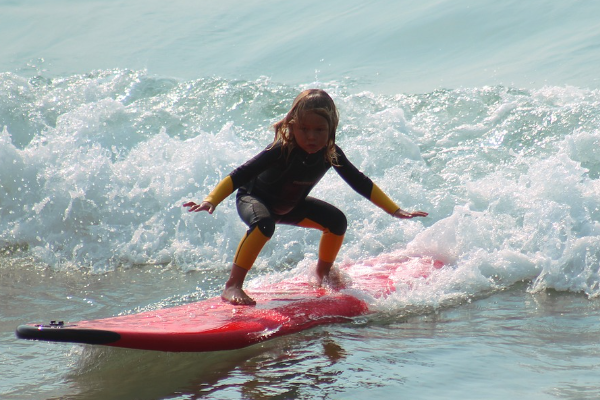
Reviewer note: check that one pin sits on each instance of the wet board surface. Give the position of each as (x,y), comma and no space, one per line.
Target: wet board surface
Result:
(282,308)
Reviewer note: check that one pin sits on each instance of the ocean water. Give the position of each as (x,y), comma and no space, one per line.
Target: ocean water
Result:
(485,114)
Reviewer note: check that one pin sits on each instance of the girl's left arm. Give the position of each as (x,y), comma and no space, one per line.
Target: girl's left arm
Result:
(365,186)
(381,200)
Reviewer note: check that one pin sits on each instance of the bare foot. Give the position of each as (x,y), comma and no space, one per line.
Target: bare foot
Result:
(322,271)
(237,296)
(233,292)
(328,276)
(333,280)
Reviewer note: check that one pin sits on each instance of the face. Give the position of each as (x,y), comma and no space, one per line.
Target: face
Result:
(311,132)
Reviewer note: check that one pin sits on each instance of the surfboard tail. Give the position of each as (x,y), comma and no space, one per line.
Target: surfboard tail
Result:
(65,333)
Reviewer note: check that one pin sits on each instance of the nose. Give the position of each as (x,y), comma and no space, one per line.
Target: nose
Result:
(311,134)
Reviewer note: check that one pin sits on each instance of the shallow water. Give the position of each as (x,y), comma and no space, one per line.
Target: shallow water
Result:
(486,115)
(508,344)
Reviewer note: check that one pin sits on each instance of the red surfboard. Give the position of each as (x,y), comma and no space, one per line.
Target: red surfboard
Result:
(282,308)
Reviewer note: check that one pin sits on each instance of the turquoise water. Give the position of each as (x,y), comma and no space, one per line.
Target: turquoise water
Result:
(485,114)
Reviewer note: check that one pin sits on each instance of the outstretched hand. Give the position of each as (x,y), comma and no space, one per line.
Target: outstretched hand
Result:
(204,206)
(400,213)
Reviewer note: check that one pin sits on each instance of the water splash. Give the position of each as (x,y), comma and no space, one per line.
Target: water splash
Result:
(95,177)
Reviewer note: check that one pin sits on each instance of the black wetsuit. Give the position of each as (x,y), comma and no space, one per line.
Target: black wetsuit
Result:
(275,185)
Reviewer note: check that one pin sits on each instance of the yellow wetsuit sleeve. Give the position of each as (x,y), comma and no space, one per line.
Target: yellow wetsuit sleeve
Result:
(382,201)
(220,192)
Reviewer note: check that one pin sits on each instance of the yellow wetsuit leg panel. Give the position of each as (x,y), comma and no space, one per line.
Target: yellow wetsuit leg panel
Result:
(330,244)
(249,248)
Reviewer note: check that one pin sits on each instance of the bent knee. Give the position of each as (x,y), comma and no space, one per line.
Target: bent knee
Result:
(338,224)
(266,226)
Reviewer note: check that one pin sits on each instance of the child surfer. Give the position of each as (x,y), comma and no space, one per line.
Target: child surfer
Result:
(273,187)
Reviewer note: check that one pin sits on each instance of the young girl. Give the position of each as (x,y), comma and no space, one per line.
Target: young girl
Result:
(273,187)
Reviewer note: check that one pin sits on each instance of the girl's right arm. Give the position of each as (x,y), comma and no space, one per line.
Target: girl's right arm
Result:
(240,176)
(218,194)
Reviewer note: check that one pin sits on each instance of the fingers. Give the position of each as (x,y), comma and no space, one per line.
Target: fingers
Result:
(191,205)
(407,215)
(204,206)
(209,207)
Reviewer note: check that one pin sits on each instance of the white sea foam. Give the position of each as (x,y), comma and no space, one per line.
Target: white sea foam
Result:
(510,178)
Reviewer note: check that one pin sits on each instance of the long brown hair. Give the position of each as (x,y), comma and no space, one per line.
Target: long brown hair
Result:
(314,100)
